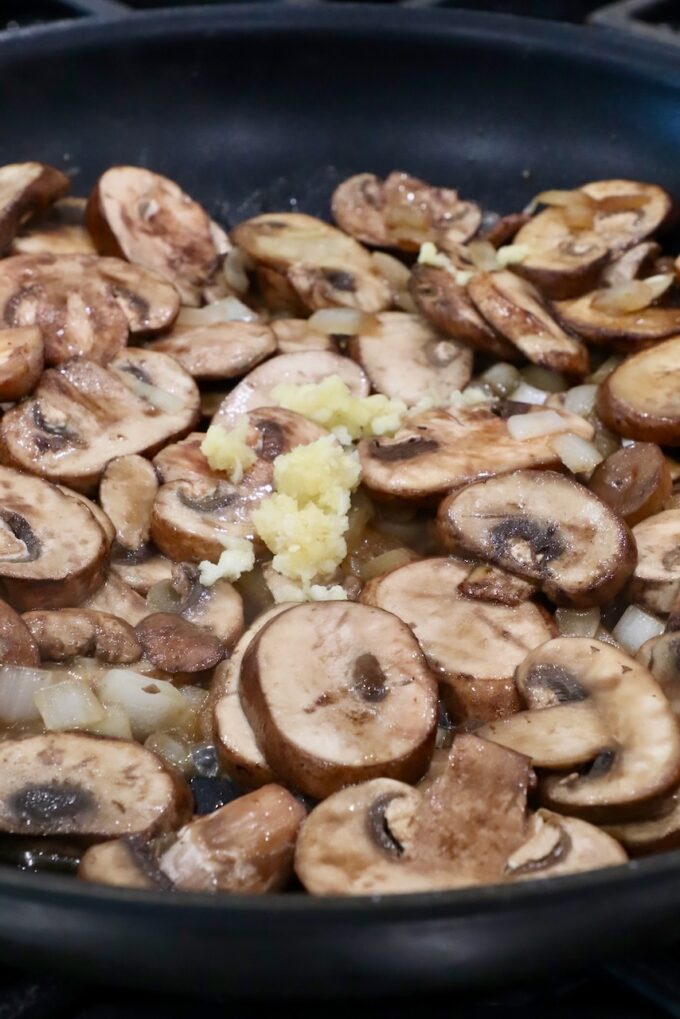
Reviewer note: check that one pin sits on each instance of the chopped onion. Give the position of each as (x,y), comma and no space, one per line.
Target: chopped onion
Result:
(395,272)
(503,378)
(605,441)
(511,254)
(195,696)
(633,295)
(605,369)
(387,562)
(543,378)
(578,622)
(149,703)
(605,636)
(627,442)
(17,688)
(229,309)
(529,426)
(115,723)
(581,400)
(163,597)
(234,269)
(529,394)
(635,627)
(482,255)
(341,322)
(70,704)
(157,397)
(172,749)
(577,454)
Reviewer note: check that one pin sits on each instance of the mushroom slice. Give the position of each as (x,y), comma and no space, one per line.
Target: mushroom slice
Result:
(173,644)
(627,211)
(295,336)
(17,646)
(62,634)
(96,511)
(635,481)
(141,572)
(472,647)
(630,264)
(560,261)
(52,550)
(83,305)
(661,655)
(514,308)
(148,219)
(313,366)
(130,862)
(73,784)
(655,830)
(222,350)
(358,206)
(127,491)
(642,760)
(656,580)
(437,450)
(143,400)
(59,230)
(21,361)
(245,847)
(117,599)
(491,584)
(501,230)
(624,331)
(25,189)
(446,304)
(563,736)
(338,692)
(277,293)
(406,359)
(546,528)
(641,397)
(217,609)
(559,845)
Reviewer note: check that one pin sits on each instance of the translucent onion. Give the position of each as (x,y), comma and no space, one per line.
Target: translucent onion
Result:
(605,441)
(631,296)
(149,703)
(524,393)
(17,688)
(635,627)
(229,309)
(577,454)
(530,426)
(395,272)
(543,378)
(511,254)
(341,322)
(172,749)
(70,704)
(387,562)
(503,378)
(163,597)
(114,724)
(234,269)
(482,255)
(578,622)
(581,400)
(195,697)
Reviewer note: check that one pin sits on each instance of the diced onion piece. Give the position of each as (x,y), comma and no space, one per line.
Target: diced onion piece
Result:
(543,378)
(627,442)
(634,295)
(70,704)
(503,378)
(387,562)
(581,400)
(482,255)
(395,272)
(578,622)
(195,697)
(529,426)
(114,724)
(341,322)
(605,369)
(576,453)
(172,749)
(234,269)
(635,627)
(605,441)
(229,309)
(529,394)
(511,254)
(150,703)
(157,397)
(17,688)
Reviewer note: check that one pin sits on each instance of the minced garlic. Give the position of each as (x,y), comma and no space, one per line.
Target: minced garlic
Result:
(429,255)
(285,590)
(228,450)
(238,558)
(320,472)
(332,404)
(307,543)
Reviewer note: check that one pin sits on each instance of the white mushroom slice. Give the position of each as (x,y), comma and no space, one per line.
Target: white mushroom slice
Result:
(457,829)
(446,304)
(560,261)
(338,692)
(72,784)
(656,580)
(313,366)
(83,305)
(358,206)
(149,220)
(21,361)
(624,331)
(52,550)
(25,189)
(60,230)
(127,491)
(563,736)
(562,845)
(627,211)
(294,336)
(546,528)
(514,308)
(173,644)
(62,634)
(217,609)
(245,847)
(437,450)
(642,760)
(130,862)
(630,264)
(219,351)
(472,647)
(406,359)
(118,599)
(96,511)
(17,646)
(491,584)
(661,655)
(635,481)
(641,397)
(142,572)
(655,830)
(143,400)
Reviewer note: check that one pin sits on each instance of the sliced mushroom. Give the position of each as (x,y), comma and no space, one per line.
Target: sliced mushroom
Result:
(491,584)
(661,655)
(141,571)
(635,481)
(143,400)
(17,646)
(559,260)
(546,528)
(130,862)
(630,264)
(220,351)
(641,397)
(655,830)
(514,308)
(52,550)
(217,609)
(562,845)
(62,634)
(358,206)
(501,230)
(446,304)
(25,189)
(117,599)
(173,644)
(338,692)
(627,211)
(149,220)
(563,736)
(437,450)
(656,580)
(472,647)
(623,331)
(277,293)
(83,305)
(127,491)
(294,336)
(21,361)
(96,511)
(59,230)
(406,359)
(73,784)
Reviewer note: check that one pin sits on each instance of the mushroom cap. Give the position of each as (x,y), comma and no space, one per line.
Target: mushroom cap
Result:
(641,397)
(634,480)
(126,492)
(26,189)
(625,331)
(21,361)
(220,350)
(560,845)
(561,262)
(656,579)
(62,634)
(58,230)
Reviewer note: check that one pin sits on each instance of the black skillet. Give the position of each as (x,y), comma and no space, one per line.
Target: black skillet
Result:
(259,108)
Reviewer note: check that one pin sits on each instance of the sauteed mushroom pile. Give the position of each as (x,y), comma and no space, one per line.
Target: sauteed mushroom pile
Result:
(342,558)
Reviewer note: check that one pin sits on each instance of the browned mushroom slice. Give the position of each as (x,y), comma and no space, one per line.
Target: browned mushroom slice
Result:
(472,647)
(630,264)
(358,207)
(96,511)
(219,351)
(61,634)
(127,491)
(149,220)
(514,308)
(72,784)
(559,845)
(174,644)
(635,481)
(491,584)
(217,609)
(559,260)
(52,550)
(406,359)
(641,398)
(437,450)
(642,760)
(295,336)
(25,189)
(627,211)
(319,287)
(661,655)
(338,692)
(656,580)
(141,572)
(144,400)
(277,293)
(17,646)
(60,230)
(446,304)
(500,230)
(83,305)
(623,331)
(563,736)
(130,862)
(544,527)
(21,361)
(118,599)
(656,829)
